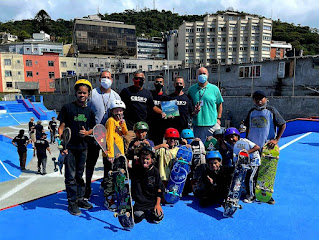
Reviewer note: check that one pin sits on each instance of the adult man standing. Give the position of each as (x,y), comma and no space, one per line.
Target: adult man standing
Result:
(53,127)
(32,130)
(138,102)
(208,105)
(185,106)
(156,122)
(99,102)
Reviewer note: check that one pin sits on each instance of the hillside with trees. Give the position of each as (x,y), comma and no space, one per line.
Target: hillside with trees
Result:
(151,23)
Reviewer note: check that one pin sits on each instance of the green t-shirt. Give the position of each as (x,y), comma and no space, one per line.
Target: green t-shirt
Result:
(210,97)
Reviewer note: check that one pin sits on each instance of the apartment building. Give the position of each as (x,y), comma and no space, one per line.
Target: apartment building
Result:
(153,48)
(225,38)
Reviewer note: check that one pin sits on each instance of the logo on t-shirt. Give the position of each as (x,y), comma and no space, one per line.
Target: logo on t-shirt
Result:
(151,181)
(138,99)
(259,122)
(157,103)
(181,103)
(80,118)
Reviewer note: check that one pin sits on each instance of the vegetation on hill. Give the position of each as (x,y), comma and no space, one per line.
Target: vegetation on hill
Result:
(151,23)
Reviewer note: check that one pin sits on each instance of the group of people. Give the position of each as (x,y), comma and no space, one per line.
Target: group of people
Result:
(137,127)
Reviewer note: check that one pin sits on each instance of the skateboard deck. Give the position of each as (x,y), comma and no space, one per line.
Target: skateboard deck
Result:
(267,173)
(211,144)
(99,134)
(62,143)
(198,162)
(180,170)
(231,203)
(123,197)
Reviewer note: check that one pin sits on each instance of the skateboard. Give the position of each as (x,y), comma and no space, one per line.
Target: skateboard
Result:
(55,162)
(198,162)
(180,170)
(62,143)
(231,203)
(211,144)
(122,188)
(267,173)
(99,134)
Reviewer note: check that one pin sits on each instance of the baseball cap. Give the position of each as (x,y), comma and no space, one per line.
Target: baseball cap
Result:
(259,94)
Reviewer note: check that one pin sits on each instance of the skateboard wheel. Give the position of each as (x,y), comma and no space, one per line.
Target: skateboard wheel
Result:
(122,171)
(257,187)
(115,214)
(110,173)
(240,207)
(127,214)
(271,190)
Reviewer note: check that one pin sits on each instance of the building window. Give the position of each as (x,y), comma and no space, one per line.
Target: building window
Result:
(255,27)
(18,61)
(63,64)
(85,65)
(7,73)
(64,74)
(29,74)
(250,71)
(28,63)
(254,48)
(97,65)
(51,74)
(267,28)
(19,73)
(9,84)
(91,65)
(7,62)
(36,62)
(50,63)
(37,73)
(266,49)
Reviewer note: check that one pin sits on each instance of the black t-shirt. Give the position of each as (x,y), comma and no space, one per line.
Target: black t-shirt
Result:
(38,131)
(31,124)
(41,146)
(75,117)
(155,118)
(21,141)
(145,185)
(185,107)
(137,104)
(53,125)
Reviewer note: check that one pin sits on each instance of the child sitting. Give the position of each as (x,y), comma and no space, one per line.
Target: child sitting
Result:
(224,148)
(216,180)
(166,153)
(232,136)
(115,129)
(147,188)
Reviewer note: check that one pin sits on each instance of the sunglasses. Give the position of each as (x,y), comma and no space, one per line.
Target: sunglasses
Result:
(158,82)
(138,78)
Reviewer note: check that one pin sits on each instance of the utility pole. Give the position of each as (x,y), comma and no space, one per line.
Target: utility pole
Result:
(154,8)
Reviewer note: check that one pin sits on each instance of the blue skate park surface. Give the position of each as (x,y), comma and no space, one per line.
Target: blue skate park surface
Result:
(294,216)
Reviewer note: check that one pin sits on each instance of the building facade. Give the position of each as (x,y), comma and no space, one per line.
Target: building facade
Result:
(94,36)
(279,49)
(154,48)
(226,38)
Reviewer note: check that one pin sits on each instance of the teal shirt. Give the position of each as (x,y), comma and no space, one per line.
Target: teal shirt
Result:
(210,97)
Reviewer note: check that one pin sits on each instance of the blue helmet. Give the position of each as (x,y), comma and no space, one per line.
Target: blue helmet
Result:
(187,133)
(213,154)
(230,131)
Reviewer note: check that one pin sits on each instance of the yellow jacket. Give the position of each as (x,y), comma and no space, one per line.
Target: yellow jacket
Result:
(165,161)
(114,133)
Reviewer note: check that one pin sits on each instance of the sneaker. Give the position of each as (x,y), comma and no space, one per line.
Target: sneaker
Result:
(39,172)
(74,209)
(249,199)
(84,204)
(44,173)
(110,204)
(87,193)
(271,201)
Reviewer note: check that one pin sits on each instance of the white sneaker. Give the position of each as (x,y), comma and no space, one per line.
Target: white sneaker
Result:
(249,199)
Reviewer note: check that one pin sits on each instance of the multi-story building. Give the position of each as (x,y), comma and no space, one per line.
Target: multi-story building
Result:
(154,48)
(95,36)
(279,49)
(226,38)
(7,37)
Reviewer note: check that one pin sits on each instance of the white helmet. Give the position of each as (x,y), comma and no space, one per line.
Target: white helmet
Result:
(117,104)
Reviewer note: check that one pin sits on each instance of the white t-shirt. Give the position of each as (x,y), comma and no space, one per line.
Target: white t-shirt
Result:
(244,143)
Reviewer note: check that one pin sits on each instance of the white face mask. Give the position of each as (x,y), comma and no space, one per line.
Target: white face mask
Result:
(106,83)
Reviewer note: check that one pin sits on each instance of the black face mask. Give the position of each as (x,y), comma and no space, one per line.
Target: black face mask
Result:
(179,88)
(158,87)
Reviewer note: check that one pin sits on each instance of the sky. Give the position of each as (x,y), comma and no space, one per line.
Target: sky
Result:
(303,12)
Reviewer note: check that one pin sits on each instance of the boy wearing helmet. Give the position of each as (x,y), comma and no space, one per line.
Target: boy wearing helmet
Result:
(166,152)
(215,180)
(81,120)
(232,136)
(115,130)
(140,130)
(147,188)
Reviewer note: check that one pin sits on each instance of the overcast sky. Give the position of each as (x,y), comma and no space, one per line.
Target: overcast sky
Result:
(303,12)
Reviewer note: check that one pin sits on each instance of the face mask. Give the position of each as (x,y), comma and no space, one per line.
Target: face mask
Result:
(202,78)
(106,83)
(259,108)
(179,88)
(158,87)
(138,83)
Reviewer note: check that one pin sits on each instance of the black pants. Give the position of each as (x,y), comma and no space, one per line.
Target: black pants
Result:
(22,159)
(107,179)
(150,215)
(74,168)
(92,157)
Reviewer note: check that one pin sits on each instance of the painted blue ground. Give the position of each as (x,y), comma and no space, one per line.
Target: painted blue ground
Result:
(10,159)
(294,216)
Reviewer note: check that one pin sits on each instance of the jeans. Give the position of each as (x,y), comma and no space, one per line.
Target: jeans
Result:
(74,168)
(92,157)
(107,180)
(204,131)
(42,162)
(52,135)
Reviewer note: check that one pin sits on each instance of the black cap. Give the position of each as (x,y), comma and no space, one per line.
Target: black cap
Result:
(259,94)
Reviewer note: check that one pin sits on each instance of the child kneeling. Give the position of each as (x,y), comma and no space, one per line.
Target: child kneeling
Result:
(147,188)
